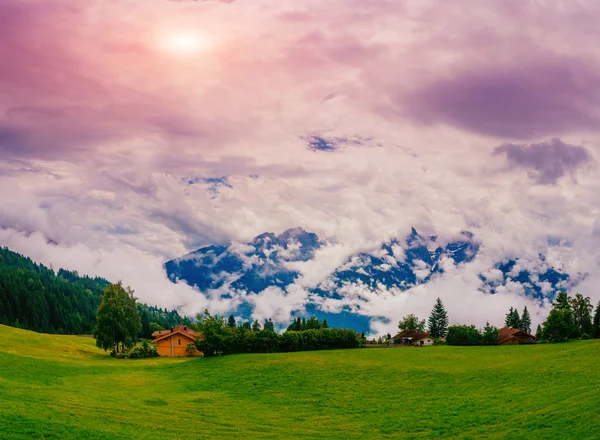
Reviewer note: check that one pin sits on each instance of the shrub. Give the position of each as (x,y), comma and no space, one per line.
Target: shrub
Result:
(143,350)
(585,336)
(463,335)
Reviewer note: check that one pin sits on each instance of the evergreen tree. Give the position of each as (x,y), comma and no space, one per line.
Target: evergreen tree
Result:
(231,321)
(325,324)
(561,302)
(117,320)
(438,320)
(596,324)
(538,332)
(269,326)
(512,319)
(256,326)
(411,322)
(146,333)
(489,335)
(525,322)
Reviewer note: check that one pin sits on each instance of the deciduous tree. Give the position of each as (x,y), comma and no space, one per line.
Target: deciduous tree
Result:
(117,320)
(411,322)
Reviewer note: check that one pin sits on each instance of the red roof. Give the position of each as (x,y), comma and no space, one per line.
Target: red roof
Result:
(413,335)
(181,329)
(507,333)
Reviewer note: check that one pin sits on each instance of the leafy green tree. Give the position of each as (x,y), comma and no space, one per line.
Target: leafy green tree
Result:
(247,325)
(256,326)
(489,335)
(438,320)
(559,326)
(231,321)
(525,322)
(411,322)
(325,324)
(582,314)
(117,320)
(596,324)
(155,327)
(215,334)
(512,318)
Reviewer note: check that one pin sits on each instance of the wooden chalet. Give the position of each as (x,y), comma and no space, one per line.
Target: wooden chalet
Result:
(510,335)
(174,342)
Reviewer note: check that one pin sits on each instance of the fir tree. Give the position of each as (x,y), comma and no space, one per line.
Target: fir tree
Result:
(512,318)
(525,322)
(231,321)
(438,320)
(269,325)
(256,326)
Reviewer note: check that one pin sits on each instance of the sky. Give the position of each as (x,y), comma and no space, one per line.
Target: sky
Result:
(132,132)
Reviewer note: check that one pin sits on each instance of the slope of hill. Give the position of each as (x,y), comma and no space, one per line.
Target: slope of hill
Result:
(399,264)
(63,387)
(35,297)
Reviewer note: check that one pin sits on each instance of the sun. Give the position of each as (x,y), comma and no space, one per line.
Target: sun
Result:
(185,43)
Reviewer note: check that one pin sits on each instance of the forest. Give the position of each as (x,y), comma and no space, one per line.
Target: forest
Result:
(35,297)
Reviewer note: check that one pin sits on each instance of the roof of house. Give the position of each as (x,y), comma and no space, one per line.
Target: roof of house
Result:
(415,335)
(180,329)
(507,333)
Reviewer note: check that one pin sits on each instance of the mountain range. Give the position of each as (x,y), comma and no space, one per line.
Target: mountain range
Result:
(244,269)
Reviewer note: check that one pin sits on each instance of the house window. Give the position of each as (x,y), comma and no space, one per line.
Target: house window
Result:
(179,341)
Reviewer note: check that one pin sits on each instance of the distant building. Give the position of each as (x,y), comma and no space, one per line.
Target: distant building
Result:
(509,335)
(413,337)
(174,342)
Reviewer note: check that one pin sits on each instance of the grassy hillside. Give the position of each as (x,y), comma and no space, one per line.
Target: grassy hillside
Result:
(63,387)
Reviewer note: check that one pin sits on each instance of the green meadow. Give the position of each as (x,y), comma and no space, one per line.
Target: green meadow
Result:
(63,387)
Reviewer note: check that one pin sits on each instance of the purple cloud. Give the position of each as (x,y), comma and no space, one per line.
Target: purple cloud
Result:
(544,97)
(545,162)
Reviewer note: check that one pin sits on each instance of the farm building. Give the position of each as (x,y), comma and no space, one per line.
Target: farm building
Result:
(174,342)
(509,335)
(413,337)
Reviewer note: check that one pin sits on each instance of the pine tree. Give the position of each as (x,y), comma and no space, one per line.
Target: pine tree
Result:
(525,322)
(269,325)
(438,320)
(256,326)
(231,321)
(512,318)
(596,324)
(538,332)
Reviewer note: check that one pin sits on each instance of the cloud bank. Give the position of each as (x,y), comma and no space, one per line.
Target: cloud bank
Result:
(356,120)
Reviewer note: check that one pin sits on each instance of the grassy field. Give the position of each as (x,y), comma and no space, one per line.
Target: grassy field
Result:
(63,387)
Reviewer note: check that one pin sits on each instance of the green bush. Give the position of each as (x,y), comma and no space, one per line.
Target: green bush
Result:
(143,350)
(585,336)
(464,335)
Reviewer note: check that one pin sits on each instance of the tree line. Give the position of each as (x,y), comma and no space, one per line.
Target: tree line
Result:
(35,297)
(570,318)
(221,336)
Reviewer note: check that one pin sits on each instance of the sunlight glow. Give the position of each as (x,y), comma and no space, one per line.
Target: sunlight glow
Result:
(185,43)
